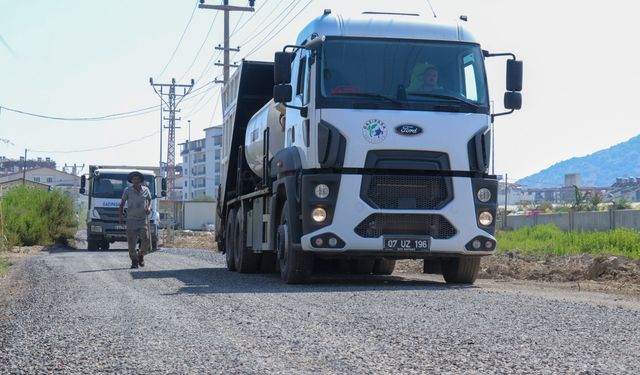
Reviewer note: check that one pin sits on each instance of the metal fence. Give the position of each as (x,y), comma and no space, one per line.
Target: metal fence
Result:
(578,220)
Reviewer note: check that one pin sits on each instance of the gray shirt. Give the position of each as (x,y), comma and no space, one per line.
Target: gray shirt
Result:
(136,204)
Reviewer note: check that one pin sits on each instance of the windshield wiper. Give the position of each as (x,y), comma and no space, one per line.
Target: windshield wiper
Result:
(447,97)
(368,95)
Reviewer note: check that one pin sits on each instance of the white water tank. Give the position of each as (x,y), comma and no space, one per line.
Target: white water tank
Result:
(267,116)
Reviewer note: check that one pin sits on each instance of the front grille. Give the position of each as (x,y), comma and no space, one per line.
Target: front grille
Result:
(376,225)
(406,192)
(108,214)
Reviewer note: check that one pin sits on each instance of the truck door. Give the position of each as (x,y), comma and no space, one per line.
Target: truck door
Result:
(298,127)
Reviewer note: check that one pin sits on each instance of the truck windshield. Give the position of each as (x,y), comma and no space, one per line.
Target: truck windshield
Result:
(398,73)
(112,185)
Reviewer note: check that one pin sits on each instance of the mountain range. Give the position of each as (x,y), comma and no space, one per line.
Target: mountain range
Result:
(598,169)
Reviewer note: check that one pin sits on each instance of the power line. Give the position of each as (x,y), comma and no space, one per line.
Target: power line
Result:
(259,26)
(97,148)
(173,54)
(112,116)
(285,24)
(201,46)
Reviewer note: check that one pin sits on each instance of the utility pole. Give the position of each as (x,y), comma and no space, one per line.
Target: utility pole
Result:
(172,101)
(226,8)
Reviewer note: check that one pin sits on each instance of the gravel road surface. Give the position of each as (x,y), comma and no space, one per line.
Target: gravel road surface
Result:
(87,312)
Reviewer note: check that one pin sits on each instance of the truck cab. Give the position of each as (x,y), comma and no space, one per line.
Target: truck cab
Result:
(382,151)
(104,187)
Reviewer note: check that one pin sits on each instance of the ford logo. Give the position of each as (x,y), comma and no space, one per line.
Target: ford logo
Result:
(408,129)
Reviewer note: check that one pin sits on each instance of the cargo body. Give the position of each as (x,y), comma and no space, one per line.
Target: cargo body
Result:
(344,150)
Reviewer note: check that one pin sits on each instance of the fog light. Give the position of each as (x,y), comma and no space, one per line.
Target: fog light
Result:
(321,191)
(96,228)
(319,242)
(484,195)
(485,218)
(319,215)
(488,245)
(476,244)
(333,241)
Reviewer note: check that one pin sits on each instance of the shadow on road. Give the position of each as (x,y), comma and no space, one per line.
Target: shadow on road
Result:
(220,280)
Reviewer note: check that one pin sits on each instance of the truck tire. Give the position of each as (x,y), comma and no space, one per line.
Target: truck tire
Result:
(384,266)
(463,270)
(295,266)
(92,245)
(104,245)
(228,240)
(246,260)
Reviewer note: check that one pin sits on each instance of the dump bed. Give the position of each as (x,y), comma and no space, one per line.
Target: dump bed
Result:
(248,90)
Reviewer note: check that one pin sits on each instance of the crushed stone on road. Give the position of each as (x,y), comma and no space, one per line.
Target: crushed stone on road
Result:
(87,312)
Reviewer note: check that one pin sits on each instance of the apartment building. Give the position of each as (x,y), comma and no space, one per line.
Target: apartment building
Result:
(201,165)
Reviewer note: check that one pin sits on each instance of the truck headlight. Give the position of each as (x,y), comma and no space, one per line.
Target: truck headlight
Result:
(96,228)
(319,214)
(93,214)
(321,191)
(485,218)
(484,195)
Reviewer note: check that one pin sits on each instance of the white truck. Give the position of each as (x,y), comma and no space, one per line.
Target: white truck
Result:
(105,187)
(347,148)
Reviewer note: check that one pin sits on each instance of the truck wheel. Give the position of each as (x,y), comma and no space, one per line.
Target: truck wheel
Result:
(463,270)
(295,265)
(229,240)
(362,266)
(245,259)
(92,245)
(384,266)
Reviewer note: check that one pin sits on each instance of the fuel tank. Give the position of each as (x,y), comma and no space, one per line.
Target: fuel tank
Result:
(267,117)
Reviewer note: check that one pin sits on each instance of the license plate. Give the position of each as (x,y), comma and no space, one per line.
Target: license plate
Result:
(407,243)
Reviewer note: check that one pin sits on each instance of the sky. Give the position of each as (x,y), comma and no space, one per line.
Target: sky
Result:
(89,58)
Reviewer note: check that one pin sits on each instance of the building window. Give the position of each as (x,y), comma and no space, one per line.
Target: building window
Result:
(49,179)
(36,179)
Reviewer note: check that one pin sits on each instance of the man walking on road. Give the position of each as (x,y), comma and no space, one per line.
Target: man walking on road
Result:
(138,199)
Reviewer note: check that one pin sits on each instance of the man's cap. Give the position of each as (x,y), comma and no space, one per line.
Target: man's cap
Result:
(133,174)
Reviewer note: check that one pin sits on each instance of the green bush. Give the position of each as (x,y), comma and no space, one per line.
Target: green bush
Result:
(549,240)
(36,217)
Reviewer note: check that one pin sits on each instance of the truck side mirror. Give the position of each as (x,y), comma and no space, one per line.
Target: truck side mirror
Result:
(512,100)
(282,67)
(514,75)
(83,184)
(282,93)
(163,189)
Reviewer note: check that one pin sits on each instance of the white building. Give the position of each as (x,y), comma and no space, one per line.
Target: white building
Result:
(201,165)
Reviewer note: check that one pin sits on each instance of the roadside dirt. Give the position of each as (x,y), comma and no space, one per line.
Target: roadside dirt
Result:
(188,240)
(10,285)
(602,273)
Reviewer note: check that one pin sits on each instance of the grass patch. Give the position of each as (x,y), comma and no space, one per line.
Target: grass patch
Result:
(31,216)
(549,240)
(4,266)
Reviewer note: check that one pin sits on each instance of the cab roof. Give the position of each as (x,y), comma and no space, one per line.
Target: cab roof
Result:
(386,25)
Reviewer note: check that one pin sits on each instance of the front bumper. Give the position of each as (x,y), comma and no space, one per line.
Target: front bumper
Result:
(112,231)
(461,212)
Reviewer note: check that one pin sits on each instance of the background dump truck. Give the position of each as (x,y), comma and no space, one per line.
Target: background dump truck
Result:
(345,150)
(104,191)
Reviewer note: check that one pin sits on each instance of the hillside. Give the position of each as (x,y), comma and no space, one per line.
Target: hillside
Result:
(598,169)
